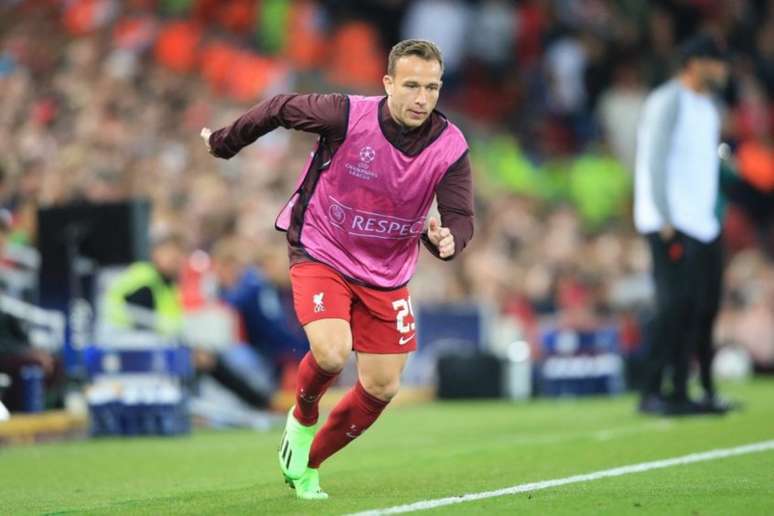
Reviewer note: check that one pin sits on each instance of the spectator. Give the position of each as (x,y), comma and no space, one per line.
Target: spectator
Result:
(94,115)
(619,110)
(145,296)
(257,301)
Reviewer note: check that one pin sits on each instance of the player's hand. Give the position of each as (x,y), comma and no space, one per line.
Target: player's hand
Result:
(441,238)
(667,232)
(205,134)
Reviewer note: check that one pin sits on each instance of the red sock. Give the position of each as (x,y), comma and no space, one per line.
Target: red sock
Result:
(356,411)
(311,384)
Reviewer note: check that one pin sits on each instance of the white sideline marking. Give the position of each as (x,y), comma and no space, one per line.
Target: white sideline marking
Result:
(614,472)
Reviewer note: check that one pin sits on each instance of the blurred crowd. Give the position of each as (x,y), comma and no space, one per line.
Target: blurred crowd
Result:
(103,100)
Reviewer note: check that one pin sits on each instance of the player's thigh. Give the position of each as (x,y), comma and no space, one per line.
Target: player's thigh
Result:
(323,300)
(379,374)
(383,321)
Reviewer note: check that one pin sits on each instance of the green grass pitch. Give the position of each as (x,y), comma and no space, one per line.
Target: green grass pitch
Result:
(421,453)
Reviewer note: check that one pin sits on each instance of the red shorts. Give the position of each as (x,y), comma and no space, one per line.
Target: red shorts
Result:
(382,321)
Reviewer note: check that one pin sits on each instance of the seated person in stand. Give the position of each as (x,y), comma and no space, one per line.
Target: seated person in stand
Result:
(266,326)
(146,296)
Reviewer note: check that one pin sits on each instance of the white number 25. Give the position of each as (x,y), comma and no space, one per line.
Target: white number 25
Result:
(404,308)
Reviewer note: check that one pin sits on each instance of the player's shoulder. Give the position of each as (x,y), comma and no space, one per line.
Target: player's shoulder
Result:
(336,99)
(360,107)
(314,96)
(325,106)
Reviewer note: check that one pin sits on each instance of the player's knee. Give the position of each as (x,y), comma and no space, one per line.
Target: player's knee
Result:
(331,342)
(383,388)
(331,354)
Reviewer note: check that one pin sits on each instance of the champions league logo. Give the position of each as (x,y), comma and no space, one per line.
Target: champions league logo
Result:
(360,169)
(367,154)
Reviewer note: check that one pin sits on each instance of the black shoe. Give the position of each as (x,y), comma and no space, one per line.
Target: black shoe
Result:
(714,404)
(689,407)
(652,404)
(684,407)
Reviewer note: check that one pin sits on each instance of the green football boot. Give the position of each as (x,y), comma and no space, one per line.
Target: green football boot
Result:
(294,447)
(308,486)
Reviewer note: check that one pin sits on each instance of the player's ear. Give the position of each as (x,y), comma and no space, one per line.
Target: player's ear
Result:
(388,84)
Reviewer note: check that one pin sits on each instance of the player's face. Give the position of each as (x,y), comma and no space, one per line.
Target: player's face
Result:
(412,92)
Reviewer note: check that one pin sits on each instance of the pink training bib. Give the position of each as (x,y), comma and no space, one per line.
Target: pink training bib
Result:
(368,210)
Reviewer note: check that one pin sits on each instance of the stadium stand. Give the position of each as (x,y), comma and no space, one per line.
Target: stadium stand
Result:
(102,101)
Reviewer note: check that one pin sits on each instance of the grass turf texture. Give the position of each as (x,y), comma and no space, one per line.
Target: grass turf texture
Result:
(419,453)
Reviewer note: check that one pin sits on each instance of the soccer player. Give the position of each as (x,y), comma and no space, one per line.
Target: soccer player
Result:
(676,194)
(353,227)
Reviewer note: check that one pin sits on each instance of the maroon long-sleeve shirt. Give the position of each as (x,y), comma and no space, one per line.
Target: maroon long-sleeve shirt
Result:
(328,116)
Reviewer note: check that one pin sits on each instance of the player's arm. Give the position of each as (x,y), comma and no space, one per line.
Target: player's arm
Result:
(454,193)
(323,114)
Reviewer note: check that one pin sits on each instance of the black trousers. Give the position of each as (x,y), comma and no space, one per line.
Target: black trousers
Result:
(688,278)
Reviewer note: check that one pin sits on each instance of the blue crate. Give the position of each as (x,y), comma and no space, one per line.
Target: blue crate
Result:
(138,391)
